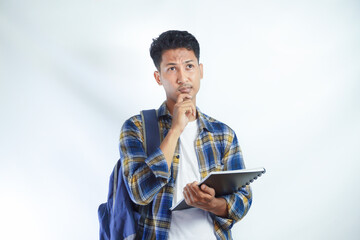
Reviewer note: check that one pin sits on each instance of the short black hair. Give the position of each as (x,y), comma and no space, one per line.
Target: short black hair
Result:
(173,39)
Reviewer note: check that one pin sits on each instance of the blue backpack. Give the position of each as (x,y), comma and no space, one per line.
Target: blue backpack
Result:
(117,217)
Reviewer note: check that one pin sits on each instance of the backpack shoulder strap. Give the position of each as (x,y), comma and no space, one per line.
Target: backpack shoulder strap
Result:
(151,130)
(126,226)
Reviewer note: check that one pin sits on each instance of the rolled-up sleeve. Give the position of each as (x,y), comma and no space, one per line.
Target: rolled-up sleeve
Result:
(144,175)
(238,203)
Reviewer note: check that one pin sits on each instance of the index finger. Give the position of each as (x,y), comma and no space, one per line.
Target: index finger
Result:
(182,97)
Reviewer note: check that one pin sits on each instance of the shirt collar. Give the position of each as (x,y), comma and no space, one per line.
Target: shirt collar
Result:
(163,111)
(204,120)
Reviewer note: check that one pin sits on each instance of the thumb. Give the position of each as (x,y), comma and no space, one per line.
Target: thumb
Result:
(208,190)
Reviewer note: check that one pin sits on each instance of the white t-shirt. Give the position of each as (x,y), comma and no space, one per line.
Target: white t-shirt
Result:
(193,223)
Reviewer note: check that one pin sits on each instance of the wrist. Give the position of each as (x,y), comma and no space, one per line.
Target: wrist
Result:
(175,132)
(220,207)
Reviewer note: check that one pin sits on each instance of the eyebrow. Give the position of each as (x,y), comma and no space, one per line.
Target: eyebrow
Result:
(173,64)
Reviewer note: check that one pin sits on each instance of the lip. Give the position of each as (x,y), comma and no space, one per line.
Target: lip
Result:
(185,89)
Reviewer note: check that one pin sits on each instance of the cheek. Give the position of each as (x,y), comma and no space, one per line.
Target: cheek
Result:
(170,88)
(197,84)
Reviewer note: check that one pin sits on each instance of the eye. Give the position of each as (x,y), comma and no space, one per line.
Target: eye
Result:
(171,68)
(190,66)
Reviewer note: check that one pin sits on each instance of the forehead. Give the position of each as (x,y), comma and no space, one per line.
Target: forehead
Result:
(177,55)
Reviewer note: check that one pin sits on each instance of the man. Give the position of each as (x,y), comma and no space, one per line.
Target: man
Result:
(192,145)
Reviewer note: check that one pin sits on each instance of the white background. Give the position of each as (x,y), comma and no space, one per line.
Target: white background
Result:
(284,75)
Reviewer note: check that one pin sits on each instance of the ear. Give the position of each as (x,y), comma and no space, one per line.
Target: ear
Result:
(157,77)
(201,70)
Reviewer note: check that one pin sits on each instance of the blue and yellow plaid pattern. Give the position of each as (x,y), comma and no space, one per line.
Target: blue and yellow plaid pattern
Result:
(151,184)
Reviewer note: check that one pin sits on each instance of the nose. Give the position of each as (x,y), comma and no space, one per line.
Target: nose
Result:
(181,78)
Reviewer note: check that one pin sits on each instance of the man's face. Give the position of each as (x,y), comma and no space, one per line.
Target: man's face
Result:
(179,73)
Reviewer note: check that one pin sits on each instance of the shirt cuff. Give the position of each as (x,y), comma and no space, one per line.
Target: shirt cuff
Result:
(225,223)
(157,163)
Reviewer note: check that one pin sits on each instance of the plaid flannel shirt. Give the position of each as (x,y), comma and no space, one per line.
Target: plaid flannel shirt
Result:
(151,184)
